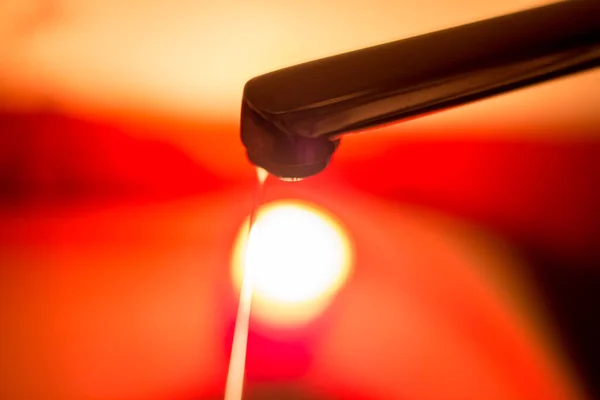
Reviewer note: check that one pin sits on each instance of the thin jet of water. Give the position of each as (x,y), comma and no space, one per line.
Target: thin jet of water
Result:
(234,386)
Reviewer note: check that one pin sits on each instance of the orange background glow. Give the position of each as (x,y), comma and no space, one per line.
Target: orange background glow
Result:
(124,186)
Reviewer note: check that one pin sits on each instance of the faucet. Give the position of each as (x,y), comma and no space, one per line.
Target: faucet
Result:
(292,119)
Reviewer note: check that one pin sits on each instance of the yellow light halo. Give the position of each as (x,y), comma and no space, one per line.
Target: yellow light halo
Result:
(299,256)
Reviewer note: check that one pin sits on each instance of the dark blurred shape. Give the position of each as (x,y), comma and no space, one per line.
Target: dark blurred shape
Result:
(281,391)
(292,119)
(48,158)
(570,289)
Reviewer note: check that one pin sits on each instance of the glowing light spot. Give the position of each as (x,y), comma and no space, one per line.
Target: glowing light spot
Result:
(299,258)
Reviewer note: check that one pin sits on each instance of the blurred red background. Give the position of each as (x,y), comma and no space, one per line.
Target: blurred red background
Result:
(123,184)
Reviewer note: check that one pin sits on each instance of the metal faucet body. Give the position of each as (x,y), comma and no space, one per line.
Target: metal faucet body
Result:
(292,119)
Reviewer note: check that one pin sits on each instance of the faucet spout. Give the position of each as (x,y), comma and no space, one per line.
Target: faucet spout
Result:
(292,119)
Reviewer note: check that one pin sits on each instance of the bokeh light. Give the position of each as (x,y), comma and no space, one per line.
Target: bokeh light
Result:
(299,257)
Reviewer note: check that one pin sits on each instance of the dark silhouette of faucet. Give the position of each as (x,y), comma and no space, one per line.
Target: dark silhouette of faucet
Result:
(292,119)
